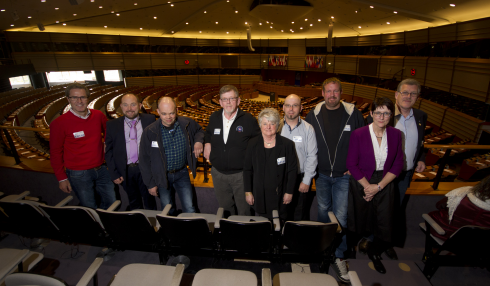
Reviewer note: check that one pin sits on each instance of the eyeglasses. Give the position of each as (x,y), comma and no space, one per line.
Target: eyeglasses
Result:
(409,94)
(382,114)
(233,99)
(293,106)
(76,98)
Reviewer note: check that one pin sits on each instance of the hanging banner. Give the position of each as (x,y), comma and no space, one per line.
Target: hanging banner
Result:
(314,62)
(275,60)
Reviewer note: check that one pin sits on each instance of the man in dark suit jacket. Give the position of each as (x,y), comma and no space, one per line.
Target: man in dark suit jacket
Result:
(122,141)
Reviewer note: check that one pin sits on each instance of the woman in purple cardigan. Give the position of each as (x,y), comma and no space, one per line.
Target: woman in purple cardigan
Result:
(374,160)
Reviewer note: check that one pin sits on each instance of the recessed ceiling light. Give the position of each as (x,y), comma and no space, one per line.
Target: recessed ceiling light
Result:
(292,22)
(319,20)
(92,0)
(3,10)
(171,5)
(227,0)
(306,19)
(56,8)
(74,14)
(64,24)
(292,31)
(332,17)
(260,24)
(187,23)
(272,23)
(271,27)
(216,23)
(11,25)
(117,14)
(200,31)
(267,22)
(112,12)
(43,1)
(359,27)
(246,23)
(236,11)
(311,25)
(205,12)
(173,32)
(135,4)
(388,23)
(452,5)
(282,31)
(57,22)
(371,7)
(105,26)
(394,12)
(356,11)
(169,2)
(155,17)
(301,28)
(227,32)
(141,28)
(29,17)
(100,7)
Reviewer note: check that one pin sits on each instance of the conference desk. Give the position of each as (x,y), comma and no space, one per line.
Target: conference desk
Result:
(282,90)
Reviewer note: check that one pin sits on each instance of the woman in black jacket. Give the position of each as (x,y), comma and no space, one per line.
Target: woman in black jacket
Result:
(270,168)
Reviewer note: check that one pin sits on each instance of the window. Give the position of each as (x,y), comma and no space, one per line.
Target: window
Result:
(20,81)
(70,76)
(113,75)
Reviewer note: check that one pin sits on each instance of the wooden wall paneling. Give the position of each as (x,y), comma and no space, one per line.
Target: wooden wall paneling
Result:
(229,43)
(391,66)
(462,125)
(163,61)
(296,63)
(374,40)
(42,62)
(417,63)
(104,39)
(444,33)
(279,42)
(435,112)
(439,73)
(74,61)
(249,79)
(365,91)
(27,36)
(229,79)
(393,39)
(249,61)
(139,81)
(135,40)
(345,41)
(417,36)
(208,61)
(185,42)
(346,64)
(348,88)
(471,78)
(476,29)
(137,61)
(381,92)
(187,79)
(161,41)
(207,42)
(330,63)
(209,79)
(164,80)
(319,42)
(68,38)
(369,64)
(297,52)
(180,61)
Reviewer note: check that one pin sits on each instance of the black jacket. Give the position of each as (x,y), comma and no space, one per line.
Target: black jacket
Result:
(254,173)
(421,120)
(228,158)
(352,118)
(116,156)
(153,163)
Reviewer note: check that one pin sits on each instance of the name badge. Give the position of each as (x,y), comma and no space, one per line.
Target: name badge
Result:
(154,144)
(297,139)
(281,160)
(347,128)
(79,134)
(386,150)
(217,131)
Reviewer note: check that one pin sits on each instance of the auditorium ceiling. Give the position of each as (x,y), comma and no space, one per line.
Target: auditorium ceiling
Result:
(229,19)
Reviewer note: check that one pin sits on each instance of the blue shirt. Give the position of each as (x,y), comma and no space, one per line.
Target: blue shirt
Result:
(408,127)
(173,142)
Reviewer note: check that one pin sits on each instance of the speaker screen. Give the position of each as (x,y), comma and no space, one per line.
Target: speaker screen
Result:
(229,61)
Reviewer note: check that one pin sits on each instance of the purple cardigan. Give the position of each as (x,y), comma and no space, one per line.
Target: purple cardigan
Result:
(360,159)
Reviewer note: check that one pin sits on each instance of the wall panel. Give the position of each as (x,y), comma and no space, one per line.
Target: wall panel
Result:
(320,42)
(165,80)
(365,91)
(135,40)
(477,29)
(460,124)
(162,41)
(417,36)
(137,61)
(42,62)
(279,42)
(139,81)
(435,112)
(471,78)
(393,39)
(209,79)
(348,88)
(104,39)
(163,61)
(74,61)
(345,42)
(442,33)
(185,42)
(391,66)
(181,58)
(68,38)
(249,61)
(187,79)
(345,64)
(207,42)
(374,40)
(229,43)
(439,73)
(381,92)
(208,61)
(330,63)
(27,36)
(417,63)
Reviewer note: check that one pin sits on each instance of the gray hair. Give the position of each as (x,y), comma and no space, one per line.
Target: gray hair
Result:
(270,114)
(409,81)
(228,88)
(76,85)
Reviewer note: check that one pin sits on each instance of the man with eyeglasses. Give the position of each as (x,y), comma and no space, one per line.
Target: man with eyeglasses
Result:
(77,151)
(122,143)
(227,136)
(303,136)
(334,121)
(411,122)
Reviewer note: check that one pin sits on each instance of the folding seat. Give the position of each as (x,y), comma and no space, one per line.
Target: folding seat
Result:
(17,259)
(306,279)
(468,247)
(224,277)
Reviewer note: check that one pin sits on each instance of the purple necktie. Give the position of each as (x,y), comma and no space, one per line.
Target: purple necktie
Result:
(133,142)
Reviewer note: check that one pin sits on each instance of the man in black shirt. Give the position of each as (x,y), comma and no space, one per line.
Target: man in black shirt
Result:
(333,122)
(227,137)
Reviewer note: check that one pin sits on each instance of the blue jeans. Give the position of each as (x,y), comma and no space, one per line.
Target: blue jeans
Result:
(403,182)
(181,183)
(86,182)
(332,195)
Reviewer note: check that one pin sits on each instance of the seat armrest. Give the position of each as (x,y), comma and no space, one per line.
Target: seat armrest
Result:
(114,206)
(276,221)
(14,198)
(266,277)
(354,279)
(219,216)
(434,224)
(64,202)
(91,272)
(333,218)
(177,277)
(165,210)
(23,195)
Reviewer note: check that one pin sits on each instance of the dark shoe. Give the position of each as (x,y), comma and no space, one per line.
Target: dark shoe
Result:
(390,252)
(378,265)
(364,245)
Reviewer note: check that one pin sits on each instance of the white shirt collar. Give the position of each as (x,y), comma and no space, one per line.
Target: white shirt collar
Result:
(79,116)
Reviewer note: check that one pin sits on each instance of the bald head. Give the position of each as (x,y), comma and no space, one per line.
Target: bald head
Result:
(292,107)
(167,110)
(130,106)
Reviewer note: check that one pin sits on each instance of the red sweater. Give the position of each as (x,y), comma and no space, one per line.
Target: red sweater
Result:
(81,153)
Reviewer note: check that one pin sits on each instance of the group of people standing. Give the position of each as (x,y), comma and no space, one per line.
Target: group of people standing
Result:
(361,171)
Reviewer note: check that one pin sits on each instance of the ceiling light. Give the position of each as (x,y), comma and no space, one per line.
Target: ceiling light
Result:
(236,11)
(57,22)
(371,7)
(292,31)
(329,63)
(267,22)
(187,23)
(356,11)
(141,28)
(29,17)
(105,26)
(43,1)
(56,8)
(271,27)
(319,20)
(311,25)
(227,0)
(388,23)
(11,25)
(216,23)
(205,12)
(64,24)
(332,17)
(92,0)
(452,5)
(292,22)
(112,12)
(172,5)
(100,7)
(301,28)
(359,27)
(306,19)
(282,31)
(272,23)
(135,4)
(168,2)
(227,32)
(246,23)
(74,14)
(200,31)
(117,14)
(394,12)
(260,24)
(173,32)
(3,10)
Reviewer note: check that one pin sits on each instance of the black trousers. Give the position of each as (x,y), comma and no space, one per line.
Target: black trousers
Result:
(299,208)
(138,195)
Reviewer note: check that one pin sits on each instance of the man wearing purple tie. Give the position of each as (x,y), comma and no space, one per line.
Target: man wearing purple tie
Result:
(122,145)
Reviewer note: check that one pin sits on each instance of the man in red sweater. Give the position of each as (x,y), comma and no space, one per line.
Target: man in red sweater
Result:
(76,145)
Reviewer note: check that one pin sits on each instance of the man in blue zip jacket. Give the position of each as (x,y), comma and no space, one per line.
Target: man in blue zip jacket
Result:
(167,146)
